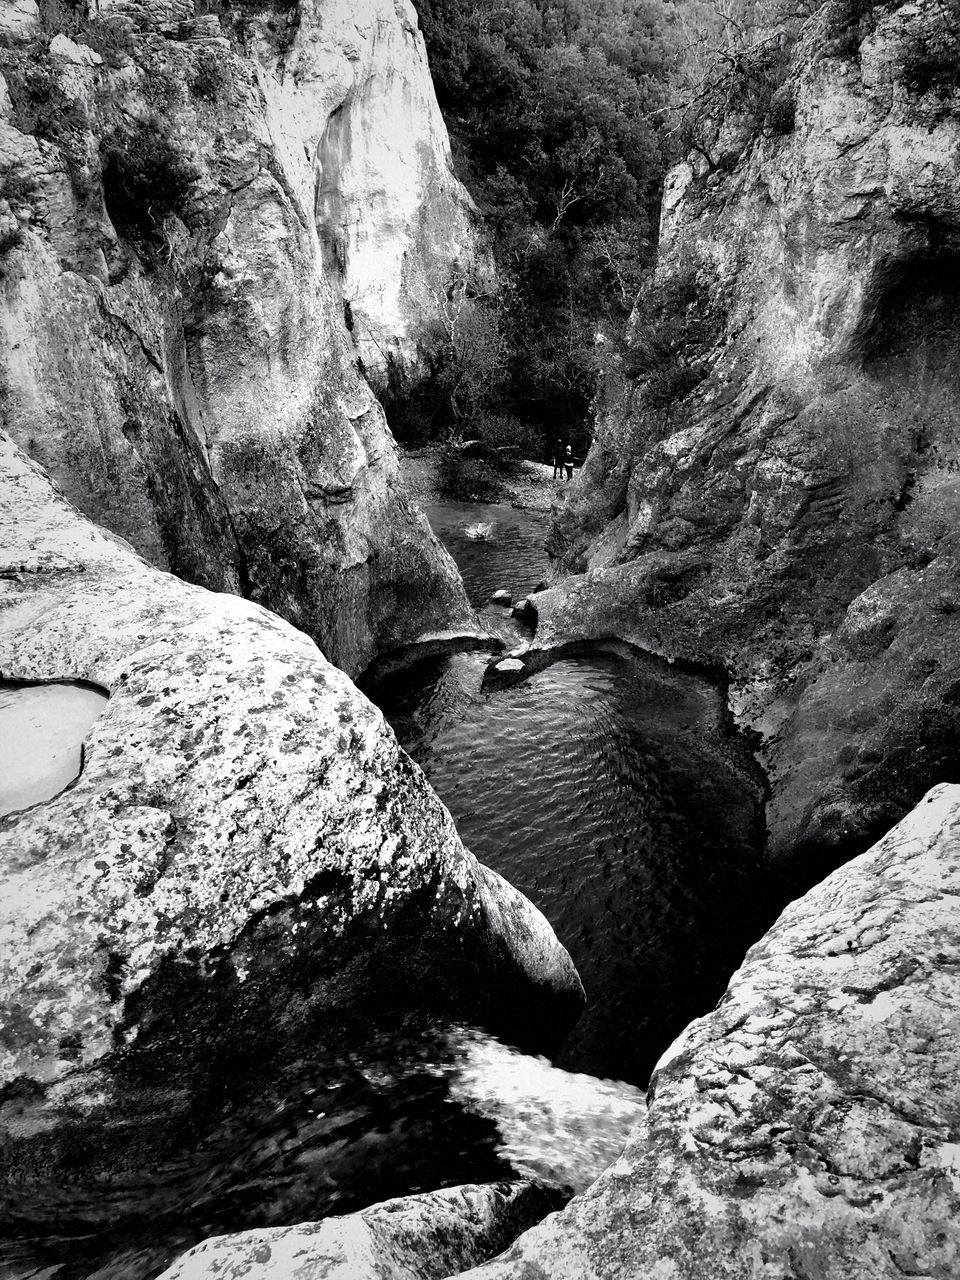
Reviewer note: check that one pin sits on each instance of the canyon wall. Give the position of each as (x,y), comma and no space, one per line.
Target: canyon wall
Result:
(776,496)
(191,197)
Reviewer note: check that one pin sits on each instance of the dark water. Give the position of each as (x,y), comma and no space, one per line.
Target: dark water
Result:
(513,559)
(605,789)
(408,1109)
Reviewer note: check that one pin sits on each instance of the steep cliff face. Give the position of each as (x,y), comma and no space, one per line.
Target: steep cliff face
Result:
(793,517)
(175,351)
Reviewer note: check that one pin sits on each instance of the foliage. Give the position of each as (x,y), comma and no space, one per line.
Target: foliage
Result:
(110,35)
(741,92)
(677,322)
(552,107)
(68,16)
(145,180)
(930,54)
(211,80)
(40,105)
(461,478)
(17,187)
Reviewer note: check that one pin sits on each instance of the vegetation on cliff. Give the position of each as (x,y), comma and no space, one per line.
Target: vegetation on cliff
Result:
(564,116)
(556,116)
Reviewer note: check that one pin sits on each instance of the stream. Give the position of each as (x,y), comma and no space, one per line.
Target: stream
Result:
(606,789)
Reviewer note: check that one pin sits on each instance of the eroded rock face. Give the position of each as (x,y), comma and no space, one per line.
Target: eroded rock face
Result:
(422,1237)
(175,352)
(809,1126)
(793,519)
(246,857)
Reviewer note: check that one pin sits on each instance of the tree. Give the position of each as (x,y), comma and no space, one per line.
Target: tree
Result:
(555,114)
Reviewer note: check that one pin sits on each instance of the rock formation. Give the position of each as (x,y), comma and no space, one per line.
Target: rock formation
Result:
(190,196)
(246,858)
(423,1237)
(775,495)
(810,1126)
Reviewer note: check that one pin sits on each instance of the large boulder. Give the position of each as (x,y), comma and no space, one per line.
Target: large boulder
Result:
(769,498)
(423,1237)
(246,859)
(809,1128)
(180,198)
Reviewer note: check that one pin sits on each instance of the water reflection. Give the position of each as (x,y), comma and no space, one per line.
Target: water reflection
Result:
(42,727)
(606,789)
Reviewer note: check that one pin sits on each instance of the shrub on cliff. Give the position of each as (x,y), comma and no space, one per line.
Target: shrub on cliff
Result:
(930,53)
(40,105)
(677,322)
(461,478)
(145,181)
(846,23)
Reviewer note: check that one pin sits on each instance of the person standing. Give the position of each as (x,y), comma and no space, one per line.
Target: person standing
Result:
(568,461)
(558,459)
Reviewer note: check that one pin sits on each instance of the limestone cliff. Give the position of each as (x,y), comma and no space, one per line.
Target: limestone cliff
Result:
(246,860)
(778,495)
(808,1128)
(190,195)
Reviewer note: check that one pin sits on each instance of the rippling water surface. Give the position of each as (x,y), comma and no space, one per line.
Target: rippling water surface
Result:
(603,789)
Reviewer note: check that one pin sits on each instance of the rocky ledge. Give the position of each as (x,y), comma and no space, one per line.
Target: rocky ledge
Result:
(422,1237)
(810,1126)
(246,857)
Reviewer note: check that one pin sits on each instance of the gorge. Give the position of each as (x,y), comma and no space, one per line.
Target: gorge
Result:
(260,1006)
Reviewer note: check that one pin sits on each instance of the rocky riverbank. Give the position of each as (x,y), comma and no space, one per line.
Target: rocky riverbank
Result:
(792,519)
(530,485)
(810,1127)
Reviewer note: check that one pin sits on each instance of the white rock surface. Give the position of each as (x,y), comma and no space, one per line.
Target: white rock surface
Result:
(20,19)
(246,840)
(421,1237)
(354,104)
(190,382)
(809,1128)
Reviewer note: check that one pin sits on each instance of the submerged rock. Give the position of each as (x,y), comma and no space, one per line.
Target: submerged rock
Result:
(423,1237)
(179,267)
(792,518)
(501,597)
(247,860)
(809,1126)
(508,666)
